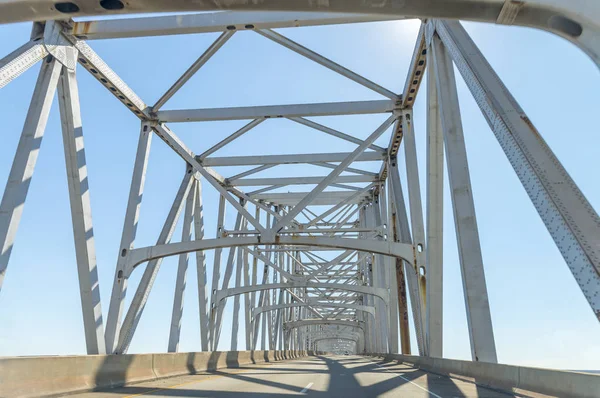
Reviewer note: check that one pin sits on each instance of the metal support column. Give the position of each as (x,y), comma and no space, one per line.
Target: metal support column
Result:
(409,271)
(571,220)
(119,290)
(416,211)
(201,268)
(435,211)
(81,212)
(481,333)
(140,298)
(17,186)
(180,282)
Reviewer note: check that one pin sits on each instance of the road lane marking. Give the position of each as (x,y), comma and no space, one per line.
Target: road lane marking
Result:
(411,382)
(305,389)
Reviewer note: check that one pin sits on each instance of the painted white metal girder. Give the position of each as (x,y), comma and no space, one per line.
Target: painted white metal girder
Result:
(277,111)
(288,159)
(569,217)
(214,22)
(140,255)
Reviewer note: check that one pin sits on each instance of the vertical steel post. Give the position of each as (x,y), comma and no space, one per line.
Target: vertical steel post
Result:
(435,211)
(216,275)
(136,190)
(201,268)
(226,279)
(571,220)
(21,172)
(416,210)
(405,237)
(138,303)
(236,302)
(181,280)
(398,271)
(479,319)
(247,302)
(81,212)
(390,277)
(380,274)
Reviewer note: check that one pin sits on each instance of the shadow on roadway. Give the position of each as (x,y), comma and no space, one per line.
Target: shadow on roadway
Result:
(345,376)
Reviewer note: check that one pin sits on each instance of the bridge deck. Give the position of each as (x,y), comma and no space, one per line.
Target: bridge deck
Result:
(327,376)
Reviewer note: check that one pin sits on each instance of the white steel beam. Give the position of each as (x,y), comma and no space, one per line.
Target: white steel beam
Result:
(339,322)
(23,58)
(215,179)
(575,21)
(409,270)
(481,332)
(268,262)
(180,280)
(335,133)
(195,67)
(356,196)
(248,304)
(369,290)
(140,298)
(21,172)
(229,269)
(326,198)
(214,22)
(333,176)
(348,169)
(250,172)
(571,220)
(277,111)
(245,182)
(288,159)
(236,302)
(140,255)
(435,210)
(201,268)
(416,70)
(229,139)
(415,207)
(358,307)
(81,212)
(216,274)
(91,61)
(136,190)
(323,61)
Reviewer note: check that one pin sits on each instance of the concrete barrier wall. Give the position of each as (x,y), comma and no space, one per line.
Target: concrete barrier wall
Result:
(50,376)
(509,378)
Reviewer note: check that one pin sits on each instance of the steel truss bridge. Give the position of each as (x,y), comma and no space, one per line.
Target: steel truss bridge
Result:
(331,267)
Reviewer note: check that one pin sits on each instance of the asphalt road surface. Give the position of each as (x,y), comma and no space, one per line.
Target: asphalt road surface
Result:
(345,376)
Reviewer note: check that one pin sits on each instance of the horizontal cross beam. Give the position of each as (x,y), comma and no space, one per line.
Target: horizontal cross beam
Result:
(277,111)
(324,199)
(253,182)
(289,159)
(214,22)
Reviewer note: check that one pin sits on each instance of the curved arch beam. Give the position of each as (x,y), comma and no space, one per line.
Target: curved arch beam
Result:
(559,17)
(394,249)
(308,322)
(358,307)
(375,291)
(336,338)
(348,335)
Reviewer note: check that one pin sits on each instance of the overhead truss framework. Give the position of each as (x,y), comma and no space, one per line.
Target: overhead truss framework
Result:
(332,265)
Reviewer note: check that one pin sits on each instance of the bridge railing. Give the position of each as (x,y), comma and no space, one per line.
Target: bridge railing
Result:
(56,375)
(508,378)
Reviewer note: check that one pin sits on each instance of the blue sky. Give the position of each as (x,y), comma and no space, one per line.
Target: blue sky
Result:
(539,315)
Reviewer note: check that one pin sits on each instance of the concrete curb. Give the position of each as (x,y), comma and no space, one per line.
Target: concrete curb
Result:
(508,378)
(25,377)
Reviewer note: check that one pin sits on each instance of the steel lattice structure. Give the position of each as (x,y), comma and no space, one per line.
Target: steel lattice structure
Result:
(296,296)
